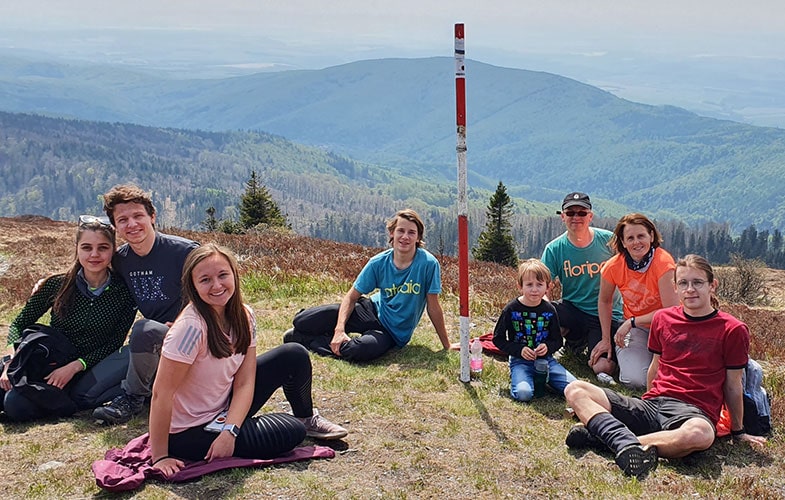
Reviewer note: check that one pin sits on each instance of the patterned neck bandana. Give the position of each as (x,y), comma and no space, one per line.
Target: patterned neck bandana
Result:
(641,265)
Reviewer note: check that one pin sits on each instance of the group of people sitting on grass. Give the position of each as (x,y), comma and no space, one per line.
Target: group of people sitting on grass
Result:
(193,354)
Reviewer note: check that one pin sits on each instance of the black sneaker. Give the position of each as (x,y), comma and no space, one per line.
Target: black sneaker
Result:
(637,460)
(119,410)
(579,437)
(291,335)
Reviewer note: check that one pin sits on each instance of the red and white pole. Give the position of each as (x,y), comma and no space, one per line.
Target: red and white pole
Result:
(463,206)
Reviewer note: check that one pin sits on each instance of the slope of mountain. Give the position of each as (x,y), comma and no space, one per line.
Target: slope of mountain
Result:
(541,134)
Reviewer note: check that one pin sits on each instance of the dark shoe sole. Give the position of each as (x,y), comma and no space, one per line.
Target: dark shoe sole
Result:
(579,437)
(637,461)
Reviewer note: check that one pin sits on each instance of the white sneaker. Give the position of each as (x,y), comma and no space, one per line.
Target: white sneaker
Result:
(319,427)
(605,378)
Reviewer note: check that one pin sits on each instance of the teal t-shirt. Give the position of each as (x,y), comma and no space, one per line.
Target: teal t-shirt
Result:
(402,293)
(578,270)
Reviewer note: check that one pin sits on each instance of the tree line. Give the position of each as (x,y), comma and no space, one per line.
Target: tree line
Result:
(507,237)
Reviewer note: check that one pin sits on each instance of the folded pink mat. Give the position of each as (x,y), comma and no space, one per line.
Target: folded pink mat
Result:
(127,468)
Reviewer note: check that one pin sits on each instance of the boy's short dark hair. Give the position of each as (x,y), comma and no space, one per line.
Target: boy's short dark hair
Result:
(127,193)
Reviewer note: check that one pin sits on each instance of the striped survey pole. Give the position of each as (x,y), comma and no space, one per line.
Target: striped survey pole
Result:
(463,207)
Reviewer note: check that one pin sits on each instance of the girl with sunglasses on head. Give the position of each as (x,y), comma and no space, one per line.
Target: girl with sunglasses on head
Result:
(93,309)
(643,272)
(211,384)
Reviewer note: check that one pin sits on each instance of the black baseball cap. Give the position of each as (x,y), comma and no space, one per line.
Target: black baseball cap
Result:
(575,199)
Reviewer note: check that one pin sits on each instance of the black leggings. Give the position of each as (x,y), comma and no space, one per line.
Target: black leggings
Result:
(287,366)
(317,326)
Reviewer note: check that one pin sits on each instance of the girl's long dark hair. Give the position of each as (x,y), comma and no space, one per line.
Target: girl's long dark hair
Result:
(235,315)
(64,299)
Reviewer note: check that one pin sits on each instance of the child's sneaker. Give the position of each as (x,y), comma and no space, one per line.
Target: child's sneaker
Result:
(319,427)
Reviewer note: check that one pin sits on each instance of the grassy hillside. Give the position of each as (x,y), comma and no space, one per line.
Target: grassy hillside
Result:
(415,430)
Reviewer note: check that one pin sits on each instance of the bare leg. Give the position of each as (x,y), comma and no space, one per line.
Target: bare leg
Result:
(587,400)
(695,435)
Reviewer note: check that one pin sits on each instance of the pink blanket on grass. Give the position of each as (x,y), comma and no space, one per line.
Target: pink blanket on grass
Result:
(127,468)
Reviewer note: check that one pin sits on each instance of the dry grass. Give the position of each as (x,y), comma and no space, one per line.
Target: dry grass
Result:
(416,431)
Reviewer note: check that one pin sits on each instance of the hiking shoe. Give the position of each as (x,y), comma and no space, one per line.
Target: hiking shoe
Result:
(318,427)
(637,460)
(579,437)
(292,336)
(119,410)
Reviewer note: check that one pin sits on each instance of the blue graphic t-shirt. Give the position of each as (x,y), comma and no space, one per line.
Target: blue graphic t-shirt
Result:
(522,326)
(402,293)
(154,280)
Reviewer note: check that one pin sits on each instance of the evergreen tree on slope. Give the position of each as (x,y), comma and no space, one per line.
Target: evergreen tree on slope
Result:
(258,207)
(495,243)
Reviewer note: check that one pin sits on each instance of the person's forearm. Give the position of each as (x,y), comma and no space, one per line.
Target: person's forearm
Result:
(344,311)
(436,314)
(734,399)
(160,420)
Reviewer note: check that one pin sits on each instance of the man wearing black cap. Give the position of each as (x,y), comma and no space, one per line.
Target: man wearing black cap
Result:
(575,259)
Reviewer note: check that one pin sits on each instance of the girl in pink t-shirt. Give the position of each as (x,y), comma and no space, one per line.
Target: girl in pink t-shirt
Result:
(210,383)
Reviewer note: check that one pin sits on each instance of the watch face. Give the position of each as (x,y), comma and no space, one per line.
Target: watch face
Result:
(233,430)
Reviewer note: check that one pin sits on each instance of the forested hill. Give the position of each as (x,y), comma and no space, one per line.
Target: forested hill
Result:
(59,168)
(541,134)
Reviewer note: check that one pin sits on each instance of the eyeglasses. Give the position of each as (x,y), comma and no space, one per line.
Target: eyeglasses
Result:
(85,220)
(572,213)
(695,284)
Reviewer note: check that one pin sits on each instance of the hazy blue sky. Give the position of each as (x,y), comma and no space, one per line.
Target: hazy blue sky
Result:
(687,26)
(722,58)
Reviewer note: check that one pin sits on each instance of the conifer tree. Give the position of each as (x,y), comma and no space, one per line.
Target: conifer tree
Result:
(210,224)
(495,243)
(258,207)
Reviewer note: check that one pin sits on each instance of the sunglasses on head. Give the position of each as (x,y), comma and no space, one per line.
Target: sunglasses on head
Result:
(573,213)
(85,220)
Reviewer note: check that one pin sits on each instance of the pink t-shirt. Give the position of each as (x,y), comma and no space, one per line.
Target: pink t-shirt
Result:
(205,390)
(640,291)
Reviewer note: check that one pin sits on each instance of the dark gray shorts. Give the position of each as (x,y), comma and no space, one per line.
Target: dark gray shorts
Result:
(644,416)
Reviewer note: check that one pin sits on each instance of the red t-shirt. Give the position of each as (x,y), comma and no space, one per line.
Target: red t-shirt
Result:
(694,354)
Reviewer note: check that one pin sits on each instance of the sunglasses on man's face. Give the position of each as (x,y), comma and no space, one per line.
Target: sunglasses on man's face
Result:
(85,220)
(573,213)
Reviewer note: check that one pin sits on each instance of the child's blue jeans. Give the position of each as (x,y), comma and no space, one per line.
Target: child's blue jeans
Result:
(522,376)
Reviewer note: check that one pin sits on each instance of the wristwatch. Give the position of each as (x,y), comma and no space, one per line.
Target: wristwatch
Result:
(632,322)
(233,429)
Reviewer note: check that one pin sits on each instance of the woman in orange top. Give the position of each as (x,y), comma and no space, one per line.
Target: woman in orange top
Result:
(643,273)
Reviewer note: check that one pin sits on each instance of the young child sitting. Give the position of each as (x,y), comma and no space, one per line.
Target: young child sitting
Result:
(528,329)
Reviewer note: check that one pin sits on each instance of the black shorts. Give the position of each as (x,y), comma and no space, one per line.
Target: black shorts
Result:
(582,327)
(644,416)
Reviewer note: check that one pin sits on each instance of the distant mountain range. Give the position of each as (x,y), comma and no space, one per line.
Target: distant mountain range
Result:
(541,134)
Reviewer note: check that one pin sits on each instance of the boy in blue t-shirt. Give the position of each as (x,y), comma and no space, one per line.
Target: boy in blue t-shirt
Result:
(407,279)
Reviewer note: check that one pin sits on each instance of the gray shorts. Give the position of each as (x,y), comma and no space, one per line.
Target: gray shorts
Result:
(644,416)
